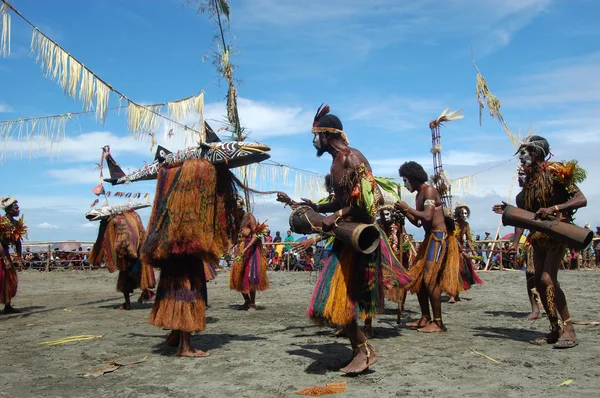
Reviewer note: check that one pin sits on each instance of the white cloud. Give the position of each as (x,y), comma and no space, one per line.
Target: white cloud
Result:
(5,108)
(46,225)
(89,225)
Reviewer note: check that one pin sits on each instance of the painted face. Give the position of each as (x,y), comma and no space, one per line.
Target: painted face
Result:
(407,184)
(462,214)
(525,158)
(317,142)
(386,215)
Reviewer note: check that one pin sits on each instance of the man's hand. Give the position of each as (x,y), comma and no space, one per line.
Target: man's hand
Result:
(402,207)
(544,212)
(284,198)
(499,209)
(309,203)
(302,245)
(330,221)
(7,263)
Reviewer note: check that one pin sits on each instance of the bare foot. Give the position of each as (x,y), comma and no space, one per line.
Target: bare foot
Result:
(246,306)
(173,338)
(550,338)
(452,300)
(433,327)
(533,316)
(191,352)
(9,309)
(340,333)
(421,323)
(252,308)
(364,357)
(124,306)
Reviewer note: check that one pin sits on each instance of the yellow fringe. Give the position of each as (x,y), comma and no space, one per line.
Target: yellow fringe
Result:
(337,310)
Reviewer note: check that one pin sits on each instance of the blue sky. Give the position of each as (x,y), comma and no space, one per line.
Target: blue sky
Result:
(386,68)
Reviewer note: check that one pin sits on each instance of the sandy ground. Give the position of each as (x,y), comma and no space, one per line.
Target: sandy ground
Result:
(276,351)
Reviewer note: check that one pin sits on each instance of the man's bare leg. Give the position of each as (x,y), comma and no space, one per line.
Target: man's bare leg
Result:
(185,348)
(535,308)
(173,338)
(368,329)
(252,306)
(423,298)
(568,337)
(544,286)
(454,299)
(436,325)
(401,305)
(364,354)
(127,304)
(246,301)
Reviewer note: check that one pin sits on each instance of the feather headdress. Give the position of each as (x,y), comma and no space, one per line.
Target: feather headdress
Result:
(321,112)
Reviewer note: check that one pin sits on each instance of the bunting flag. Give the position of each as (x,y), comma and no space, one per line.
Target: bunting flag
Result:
(81,83)
(37,130)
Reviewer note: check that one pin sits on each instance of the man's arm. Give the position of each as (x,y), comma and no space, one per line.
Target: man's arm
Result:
(429,198)
(517,238)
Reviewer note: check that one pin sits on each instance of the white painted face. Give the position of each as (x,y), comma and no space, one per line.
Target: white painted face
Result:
(387,216)
(317,142)
(407,184)
(462,214)
(525,158)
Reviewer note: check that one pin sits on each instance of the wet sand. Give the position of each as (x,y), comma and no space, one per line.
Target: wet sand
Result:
(276,351)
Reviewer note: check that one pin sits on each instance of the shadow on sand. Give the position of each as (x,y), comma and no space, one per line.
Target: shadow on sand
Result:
(205,342)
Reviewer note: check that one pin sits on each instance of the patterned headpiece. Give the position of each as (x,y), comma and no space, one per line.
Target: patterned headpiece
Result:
(322,112)
(6,202)
(537,143)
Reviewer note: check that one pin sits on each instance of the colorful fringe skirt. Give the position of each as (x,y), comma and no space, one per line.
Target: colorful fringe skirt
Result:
(8,283)
(351,285)
(437,264)
(209,271)
(181,295)
(395,276)
(468,275)
(249,273)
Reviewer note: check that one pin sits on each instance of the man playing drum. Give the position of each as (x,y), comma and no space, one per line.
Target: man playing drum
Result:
(348,287)
(550,192)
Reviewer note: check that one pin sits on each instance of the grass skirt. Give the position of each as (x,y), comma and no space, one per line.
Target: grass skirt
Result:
(250,272)
(209,271)
(181,296)
(395,276)
(8,283)
(441,251)
(351,285)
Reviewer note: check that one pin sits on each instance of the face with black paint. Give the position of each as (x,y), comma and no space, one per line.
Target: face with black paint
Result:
(13,210)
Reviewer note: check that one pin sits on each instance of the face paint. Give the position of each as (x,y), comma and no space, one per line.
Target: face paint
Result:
(407,184)
(387,216)
(317,142)
(525,158)
(463,214)
(521,178)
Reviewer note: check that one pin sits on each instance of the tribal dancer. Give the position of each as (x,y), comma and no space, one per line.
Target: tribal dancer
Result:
(551,192)
(12,231)
(351,284)
(120,238)
(249,270)
(436,267)
(527,253)
(462,232)
(193,221)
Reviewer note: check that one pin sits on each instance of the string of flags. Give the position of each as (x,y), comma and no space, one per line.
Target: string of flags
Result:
(80,83)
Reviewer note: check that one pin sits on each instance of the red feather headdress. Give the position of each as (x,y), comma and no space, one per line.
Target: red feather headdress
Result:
(322,111)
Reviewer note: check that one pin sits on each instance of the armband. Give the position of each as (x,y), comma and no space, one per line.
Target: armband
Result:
(429,202)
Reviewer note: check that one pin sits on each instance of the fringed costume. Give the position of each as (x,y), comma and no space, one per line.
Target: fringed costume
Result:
(351,285)
(191,224)
(249,269)
(442,252)
(118,244)
(467,272)
(552,184)
(12,232)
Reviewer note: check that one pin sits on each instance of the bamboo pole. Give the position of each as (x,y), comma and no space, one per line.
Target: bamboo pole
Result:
(512,185)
